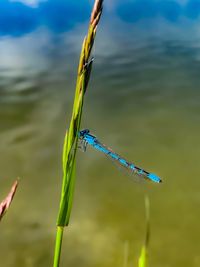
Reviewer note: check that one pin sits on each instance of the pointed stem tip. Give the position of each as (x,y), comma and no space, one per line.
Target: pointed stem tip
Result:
(5,204)
(96,12)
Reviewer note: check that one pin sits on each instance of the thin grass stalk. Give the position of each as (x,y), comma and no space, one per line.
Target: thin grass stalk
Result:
(143,259)
(126,254)
(71,137)
(58,246)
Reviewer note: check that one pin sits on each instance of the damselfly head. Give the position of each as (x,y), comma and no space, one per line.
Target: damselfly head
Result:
(83,133)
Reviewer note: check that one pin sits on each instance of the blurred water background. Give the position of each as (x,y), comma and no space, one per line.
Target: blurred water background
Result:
(143,101)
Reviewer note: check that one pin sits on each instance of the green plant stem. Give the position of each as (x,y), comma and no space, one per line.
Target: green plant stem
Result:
(59,237)
(71,137)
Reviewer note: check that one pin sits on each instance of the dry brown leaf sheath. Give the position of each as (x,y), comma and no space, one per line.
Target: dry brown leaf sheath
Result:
(5,204)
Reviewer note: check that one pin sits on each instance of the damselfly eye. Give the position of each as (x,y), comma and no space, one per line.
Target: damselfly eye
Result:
(83,133)
(86,131)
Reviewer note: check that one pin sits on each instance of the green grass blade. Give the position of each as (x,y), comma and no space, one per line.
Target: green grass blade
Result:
(143,259)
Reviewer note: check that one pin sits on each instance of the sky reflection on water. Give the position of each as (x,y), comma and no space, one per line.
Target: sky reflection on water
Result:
(21,17)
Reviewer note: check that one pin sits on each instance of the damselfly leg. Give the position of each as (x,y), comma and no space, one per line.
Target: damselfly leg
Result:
(83,145)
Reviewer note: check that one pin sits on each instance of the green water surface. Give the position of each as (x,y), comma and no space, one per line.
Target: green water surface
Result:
(143,102)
